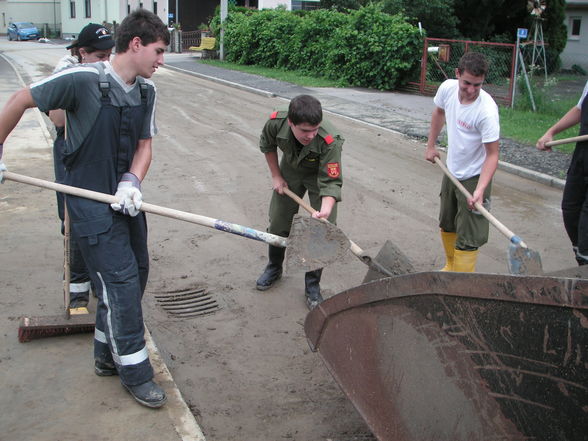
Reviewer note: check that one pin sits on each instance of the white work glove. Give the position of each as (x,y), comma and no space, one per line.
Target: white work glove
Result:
(128,194)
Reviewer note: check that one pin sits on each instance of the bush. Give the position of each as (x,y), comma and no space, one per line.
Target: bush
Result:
(366,47)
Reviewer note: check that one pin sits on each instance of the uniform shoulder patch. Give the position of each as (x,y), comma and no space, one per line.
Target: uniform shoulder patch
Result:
(333,170)
(329,139)
(279,114)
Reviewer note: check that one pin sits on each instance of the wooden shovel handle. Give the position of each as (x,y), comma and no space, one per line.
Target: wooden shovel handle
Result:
(501,227)
(217,224)
(567,140)
(355,249)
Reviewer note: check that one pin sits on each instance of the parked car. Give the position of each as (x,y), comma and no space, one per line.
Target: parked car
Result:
(22,30)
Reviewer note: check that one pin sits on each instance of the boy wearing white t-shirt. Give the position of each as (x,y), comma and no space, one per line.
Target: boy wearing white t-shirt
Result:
(473,131)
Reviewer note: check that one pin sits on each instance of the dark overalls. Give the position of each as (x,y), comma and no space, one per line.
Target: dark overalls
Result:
(574,204)
(113,245)
(79,280)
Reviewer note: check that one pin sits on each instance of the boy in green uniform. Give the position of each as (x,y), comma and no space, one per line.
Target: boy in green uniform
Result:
(311,161)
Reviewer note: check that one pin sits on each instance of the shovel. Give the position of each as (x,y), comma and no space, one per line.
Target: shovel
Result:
(308,235)
(521,259)
(389,262)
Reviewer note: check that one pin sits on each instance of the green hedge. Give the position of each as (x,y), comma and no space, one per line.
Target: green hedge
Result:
(365,47)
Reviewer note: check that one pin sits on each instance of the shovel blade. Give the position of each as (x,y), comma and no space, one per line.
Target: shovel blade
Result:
(393,262)
(524,261)
(313,244)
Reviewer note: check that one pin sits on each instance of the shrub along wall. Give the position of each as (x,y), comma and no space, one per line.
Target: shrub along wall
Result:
(365,47)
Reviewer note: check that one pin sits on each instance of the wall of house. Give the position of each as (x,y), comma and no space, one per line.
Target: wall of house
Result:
(109,11)
(576,50)
(272,4)
(38,12)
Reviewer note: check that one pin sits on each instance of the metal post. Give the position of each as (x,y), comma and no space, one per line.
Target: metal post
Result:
(516,71)
(177,13)
(223,16)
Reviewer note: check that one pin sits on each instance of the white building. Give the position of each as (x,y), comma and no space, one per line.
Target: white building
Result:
(70,16)
(288,4)
(576,50)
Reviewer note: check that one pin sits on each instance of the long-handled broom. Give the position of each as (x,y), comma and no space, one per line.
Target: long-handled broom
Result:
(73,321)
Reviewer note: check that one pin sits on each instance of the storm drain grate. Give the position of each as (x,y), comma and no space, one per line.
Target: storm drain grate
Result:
(187,303)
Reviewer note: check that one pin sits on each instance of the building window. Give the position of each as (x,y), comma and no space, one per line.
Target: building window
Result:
(155,8)
(305,5)
(140,5)
(575,27)
(88,7)
(128,9)
(72,9)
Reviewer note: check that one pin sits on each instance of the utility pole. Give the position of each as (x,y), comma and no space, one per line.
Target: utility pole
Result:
(177,13)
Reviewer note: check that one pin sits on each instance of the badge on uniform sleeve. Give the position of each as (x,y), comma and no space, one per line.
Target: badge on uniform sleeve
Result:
(333,169)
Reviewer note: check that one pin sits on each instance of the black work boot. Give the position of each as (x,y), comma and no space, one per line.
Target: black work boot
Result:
(148,394)
(104,369)
(273,270)
(312,288)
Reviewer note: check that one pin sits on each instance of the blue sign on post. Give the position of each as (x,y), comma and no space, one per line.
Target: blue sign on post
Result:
(170,15)
(522,33)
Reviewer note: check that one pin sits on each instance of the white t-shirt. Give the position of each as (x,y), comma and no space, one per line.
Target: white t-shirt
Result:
(584,93)
(469,127)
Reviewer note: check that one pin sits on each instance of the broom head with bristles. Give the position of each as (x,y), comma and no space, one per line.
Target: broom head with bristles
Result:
(32,328)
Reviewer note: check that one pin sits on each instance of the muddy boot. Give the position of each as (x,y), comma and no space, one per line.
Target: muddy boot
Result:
(312,280)
(148,394)
(273,270)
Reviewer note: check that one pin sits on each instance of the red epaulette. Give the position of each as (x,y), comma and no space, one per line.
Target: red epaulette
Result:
(274,115)
(329,139)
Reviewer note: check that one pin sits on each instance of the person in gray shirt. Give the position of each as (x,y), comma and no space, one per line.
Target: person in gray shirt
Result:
(110,124)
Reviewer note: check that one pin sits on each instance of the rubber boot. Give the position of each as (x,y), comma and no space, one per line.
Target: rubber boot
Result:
(448,240)
(465,261)
(312,288)
(273,270)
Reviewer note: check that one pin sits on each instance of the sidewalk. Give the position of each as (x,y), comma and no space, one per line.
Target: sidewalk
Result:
(408,114)
(49,389)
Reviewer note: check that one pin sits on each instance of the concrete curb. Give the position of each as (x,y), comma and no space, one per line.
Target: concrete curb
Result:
(182,419)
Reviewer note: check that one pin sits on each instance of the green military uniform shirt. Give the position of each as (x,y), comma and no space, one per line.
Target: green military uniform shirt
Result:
(315,168)
(322,156)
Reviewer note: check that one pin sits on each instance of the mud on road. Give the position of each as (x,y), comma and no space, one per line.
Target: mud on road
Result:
(246,370)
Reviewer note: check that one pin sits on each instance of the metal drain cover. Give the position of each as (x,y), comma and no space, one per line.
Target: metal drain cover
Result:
(187,303)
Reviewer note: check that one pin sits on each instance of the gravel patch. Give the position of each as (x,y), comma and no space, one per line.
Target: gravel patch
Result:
(554,164)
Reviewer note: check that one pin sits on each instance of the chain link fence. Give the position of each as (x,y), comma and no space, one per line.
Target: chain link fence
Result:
(441,56)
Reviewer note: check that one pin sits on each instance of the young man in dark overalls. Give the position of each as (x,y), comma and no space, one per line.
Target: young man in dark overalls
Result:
(574,204)
(110,123)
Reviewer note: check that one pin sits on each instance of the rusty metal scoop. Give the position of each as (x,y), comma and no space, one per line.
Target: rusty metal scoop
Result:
(312,244)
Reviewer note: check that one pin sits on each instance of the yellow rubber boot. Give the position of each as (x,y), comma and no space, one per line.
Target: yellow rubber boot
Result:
(465,261)
(448,240)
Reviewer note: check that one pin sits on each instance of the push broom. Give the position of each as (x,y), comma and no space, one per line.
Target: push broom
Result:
(73,321)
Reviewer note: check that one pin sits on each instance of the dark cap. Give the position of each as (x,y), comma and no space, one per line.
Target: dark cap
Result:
(94,35)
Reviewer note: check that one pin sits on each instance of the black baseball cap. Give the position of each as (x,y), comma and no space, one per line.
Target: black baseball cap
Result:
(94,35)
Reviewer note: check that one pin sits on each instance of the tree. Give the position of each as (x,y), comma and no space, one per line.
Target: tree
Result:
(437,17)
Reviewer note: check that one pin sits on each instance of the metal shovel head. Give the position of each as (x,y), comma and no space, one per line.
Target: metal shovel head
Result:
(313,244)
(390,261)
(524,261)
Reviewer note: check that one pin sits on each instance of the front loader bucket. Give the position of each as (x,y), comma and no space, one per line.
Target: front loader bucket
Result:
(444,356)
